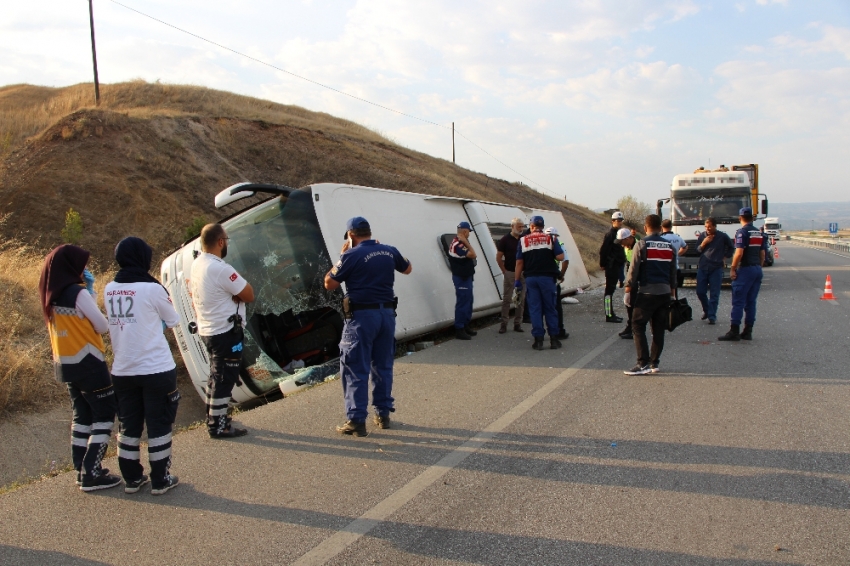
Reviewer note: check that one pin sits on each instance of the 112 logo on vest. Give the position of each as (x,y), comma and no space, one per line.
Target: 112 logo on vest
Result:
(659,251)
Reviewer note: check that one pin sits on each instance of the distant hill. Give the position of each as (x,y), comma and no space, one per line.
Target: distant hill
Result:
(799,215)
(151,157)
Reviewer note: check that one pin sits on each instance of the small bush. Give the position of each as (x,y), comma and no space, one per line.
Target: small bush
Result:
(73,230)
(194,229)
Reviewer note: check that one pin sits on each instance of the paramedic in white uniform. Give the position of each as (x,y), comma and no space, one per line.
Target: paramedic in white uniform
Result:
(144,375)
(219,295)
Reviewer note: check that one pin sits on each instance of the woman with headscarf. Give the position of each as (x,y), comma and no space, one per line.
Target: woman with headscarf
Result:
(143,370)
(75,324)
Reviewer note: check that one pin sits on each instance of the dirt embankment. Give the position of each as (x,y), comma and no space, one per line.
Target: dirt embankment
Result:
(152,157)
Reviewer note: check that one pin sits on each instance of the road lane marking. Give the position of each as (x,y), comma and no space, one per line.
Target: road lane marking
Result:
(339,541)
(813,268)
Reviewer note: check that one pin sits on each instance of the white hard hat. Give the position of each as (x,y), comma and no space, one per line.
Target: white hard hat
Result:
(617,216)
(551,230)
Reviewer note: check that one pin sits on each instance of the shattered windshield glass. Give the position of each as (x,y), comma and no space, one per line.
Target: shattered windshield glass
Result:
(293,326)
(695,209)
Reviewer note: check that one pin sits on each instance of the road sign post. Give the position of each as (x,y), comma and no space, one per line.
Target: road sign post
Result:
(833,229)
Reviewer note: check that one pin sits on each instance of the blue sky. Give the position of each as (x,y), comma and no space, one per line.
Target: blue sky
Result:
(590,100)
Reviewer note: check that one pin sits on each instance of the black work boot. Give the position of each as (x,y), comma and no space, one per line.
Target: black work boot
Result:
(554,343)
(470,331)
(538,343)
(461,334)
(734,334)
(747,334)
(353,428)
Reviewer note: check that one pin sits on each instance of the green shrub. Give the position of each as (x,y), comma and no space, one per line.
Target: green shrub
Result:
(195,227)
(73,230)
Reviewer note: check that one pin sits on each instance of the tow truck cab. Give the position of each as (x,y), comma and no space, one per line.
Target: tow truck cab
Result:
(773,228)
(720,194)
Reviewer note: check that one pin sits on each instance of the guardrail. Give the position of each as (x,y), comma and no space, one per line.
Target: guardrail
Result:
(832,245)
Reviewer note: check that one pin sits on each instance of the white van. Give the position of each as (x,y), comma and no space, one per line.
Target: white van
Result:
(285,245)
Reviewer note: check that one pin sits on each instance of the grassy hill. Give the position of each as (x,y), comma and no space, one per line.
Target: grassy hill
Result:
(152,157)
(149,160)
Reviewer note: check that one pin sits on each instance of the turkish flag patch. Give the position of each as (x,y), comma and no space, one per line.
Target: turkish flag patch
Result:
(233,277)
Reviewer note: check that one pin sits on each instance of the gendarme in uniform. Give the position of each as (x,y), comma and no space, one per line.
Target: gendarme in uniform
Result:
(536,256)
(367,347)
(746,274)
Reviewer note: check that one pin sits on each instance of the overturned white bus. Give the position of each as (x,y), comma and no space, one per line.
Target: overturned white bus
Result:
(285,245)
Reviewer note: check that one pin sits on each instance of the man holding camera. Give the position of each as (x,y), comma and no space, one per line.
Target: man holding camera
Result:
(367,347)
(219,295)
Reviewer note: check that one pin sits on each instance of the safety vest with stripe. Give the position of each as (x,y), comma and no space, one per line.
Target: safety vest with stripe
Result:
(77,349)
(655,266)
(751,239)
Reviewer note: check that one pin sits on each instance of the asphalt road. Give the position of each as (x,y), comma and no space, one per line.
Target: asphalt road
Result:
(737,453)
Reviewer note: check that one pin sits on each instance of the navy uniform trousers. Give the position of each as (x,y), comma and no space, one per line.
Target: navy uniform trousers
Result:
(463,301)
(367,350)
(94,406)
(152,400)
(225,351)
(745,292)
(541,297)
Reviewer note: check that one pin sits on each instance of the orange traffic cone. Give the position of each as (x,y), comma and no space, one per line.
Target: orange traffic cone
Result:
(827,290)
(775,252)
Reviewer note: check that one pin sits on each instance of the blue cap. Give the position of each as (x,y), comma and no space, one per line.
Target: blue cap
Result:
(746,211)
(357,223)
(465,226)
(537,221)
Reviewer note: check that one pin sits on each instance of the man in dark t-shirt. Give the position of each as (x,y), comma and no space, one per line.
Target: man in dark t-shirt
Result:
(506,258)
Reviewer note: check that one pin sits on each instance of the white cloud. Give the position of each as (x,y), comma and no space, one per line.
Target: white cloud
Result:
(771,100)
(833,40)
(635,88)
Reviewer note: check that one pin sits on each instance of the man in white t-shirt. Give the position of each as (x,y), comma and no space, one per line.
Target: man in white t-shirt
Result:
(679,244)
(219,295)
(143,370)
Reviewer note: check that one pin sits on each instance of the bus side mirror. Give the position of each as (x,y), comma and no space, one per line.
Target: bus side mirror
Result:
(764,207)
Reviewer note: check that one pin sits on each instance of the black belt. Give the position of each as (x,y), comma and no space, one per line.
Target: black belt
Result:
(353,307)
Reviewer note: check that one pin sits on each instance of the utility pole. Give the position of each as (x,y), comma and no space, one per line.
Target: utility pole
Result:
(453,142)
(94,56)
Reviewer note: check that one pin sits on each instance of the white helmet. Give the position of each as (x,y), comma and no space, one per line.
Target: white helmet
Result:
(551,230)
(617,216)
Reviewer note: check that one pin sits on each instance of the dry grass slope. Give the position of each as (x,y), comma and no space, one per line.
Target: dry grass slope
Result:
(25,358)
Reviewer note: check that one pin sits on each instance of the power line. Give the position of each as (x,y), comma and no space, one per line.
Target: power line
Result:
(297,76)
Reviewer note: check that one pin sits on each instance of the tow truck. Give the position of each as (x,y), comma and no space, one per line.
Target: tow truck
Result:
(718,193)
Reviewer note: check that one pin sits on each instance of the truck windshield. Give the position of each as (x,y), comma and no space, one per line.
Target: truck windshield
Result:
(772,226)
(694,209)
(293,326)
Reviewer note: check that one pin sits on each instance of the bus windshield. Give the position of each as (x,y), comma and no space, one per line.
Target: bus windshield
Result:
(694,209)
(293,326)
